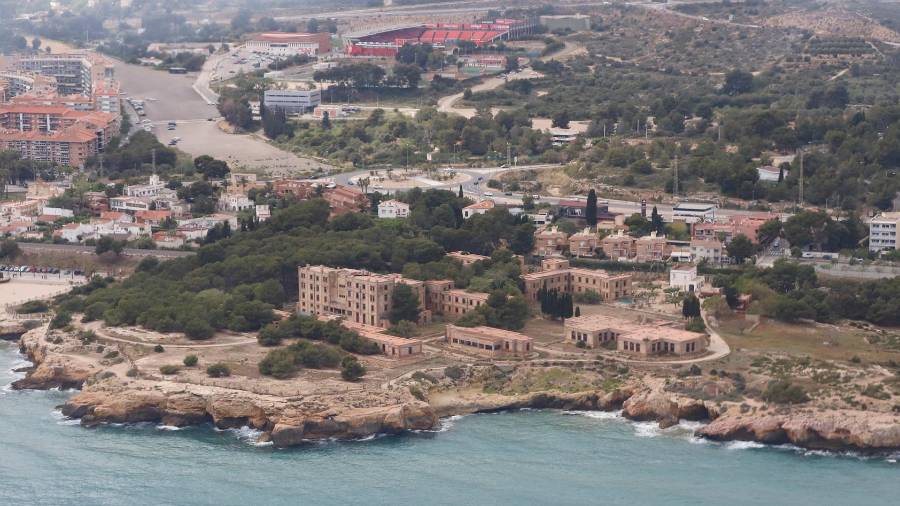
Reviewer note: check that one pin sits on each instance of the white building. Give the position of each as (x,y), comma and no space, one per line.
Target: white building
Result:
(263,213)
(293,101)
(393,209)
(711,251)
(57,211)
(693,212)
(290,44)
(152,189)
(235,202)
(477,208)
(770,174)
(684,277)
(883,231)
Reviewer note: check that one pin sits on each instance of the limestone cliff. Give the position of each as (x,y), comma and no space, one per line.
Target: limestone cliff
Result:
(829,430)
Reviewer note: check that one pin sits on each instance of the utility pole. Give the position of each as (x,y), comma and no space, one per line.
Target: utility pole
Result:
(801,177)
(675,178)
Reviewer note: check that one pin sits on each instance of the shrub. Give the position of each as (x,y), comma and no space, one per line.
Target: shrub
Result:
(60,320)
(218,370)
(417,393)
(784,392)
(403,328)
(169,369)
(580,344)
(34,306)
(695,325)
(198,329)
(87,336)
(269,336)
(132,373)
(190,360)
(351,369)
(454,372)
(112,354)
(278,364)
(587,297)
(158,348)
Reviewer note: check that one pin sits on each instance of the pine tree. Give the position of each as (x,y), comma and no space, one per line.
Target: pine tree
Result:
(577,311)
(326,121)
(656,221)
(590,212)
(460,191)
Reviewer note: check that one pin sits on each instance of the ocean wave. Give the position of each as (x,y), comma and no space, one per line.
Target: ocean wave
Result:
(445,424)
(169,427)
(247,435)
(598,415)
(62,419)
(744,445)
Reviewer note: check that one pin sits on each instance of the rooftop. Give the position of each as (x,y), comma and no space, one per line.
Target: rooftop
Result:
(491,333)
(484,204)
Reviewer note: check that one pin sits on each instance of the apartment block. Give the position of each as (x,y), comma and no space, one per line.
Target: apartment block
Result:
(359,296)
(488,341)
(574,280)
(456,302)
(883,231)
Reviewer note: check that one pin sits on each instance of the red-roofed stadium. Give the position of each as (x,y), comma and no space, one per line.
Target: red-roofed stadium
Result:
(387,43)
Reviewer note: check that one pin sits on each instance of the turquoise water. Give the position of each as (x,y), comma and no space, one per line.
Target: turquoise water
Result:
(521,458)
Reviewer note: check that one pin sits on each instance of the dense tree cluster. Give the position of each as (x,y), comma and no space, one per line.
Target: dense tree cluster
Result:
(555,304)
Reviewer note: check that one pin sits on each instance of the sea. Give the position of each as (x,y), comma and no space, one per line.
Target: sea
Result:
(518,458)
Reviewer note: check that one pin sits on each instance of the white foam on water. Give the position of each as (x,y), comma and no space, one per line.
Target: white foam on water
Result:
(744,445)
(247,435)
(445,424)
(62,419)
(169,427)
(647,429)
(597,415)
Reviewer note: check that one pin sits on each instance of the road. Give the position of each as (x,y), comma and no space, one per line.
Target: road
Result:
(75,248)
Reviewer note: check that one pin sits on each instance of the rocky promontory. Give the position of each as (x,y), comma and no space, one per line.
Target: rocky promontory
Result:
(826,430)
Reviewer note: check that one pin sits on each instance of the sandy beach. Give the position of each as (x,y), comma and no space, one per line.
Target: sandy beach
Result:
(23,289)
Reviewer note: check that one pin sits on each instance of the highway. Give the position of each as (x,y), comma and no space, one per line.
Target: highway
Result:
(38,247)
(476,189)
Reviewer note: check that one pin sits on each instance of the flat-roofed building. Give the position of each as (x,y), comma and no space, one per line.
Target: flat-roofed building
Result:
(391,346)
(883,231)
(710,251)
(489,341)
(584,243)
(293,101)
(652,338)
(684,277)
(434,288)
(393,209)
(290,44)
(693,212)
(574,280)
(456,302)
(618,245)
(359,296)
(466,258)
(549,242)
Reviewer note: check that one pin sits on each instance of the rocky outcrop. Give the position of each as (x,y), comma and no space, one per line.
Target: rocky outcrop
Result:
(12,330)
(655,405)
(834,430)
(353,424)
(285,423)
(50,370)
(486,403)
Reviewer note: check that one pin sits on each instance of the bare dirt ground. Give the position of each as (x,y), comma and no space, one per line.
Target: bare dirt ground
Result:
(20,290)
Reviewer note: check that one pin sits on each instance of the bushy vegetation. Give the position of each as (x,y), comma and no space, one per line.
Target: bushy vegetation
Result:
(309,327)
(784,392)
(790,292)
(284,362)
(392,138)
(34,306)
(218,370)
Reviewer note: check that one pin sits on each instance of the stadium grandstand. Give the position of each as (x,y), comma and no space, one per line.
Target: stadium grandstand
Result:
(386,43)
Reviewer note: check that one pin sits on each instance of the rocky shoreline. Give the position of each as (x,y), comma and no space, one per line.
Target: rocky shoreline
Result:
(290,421)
